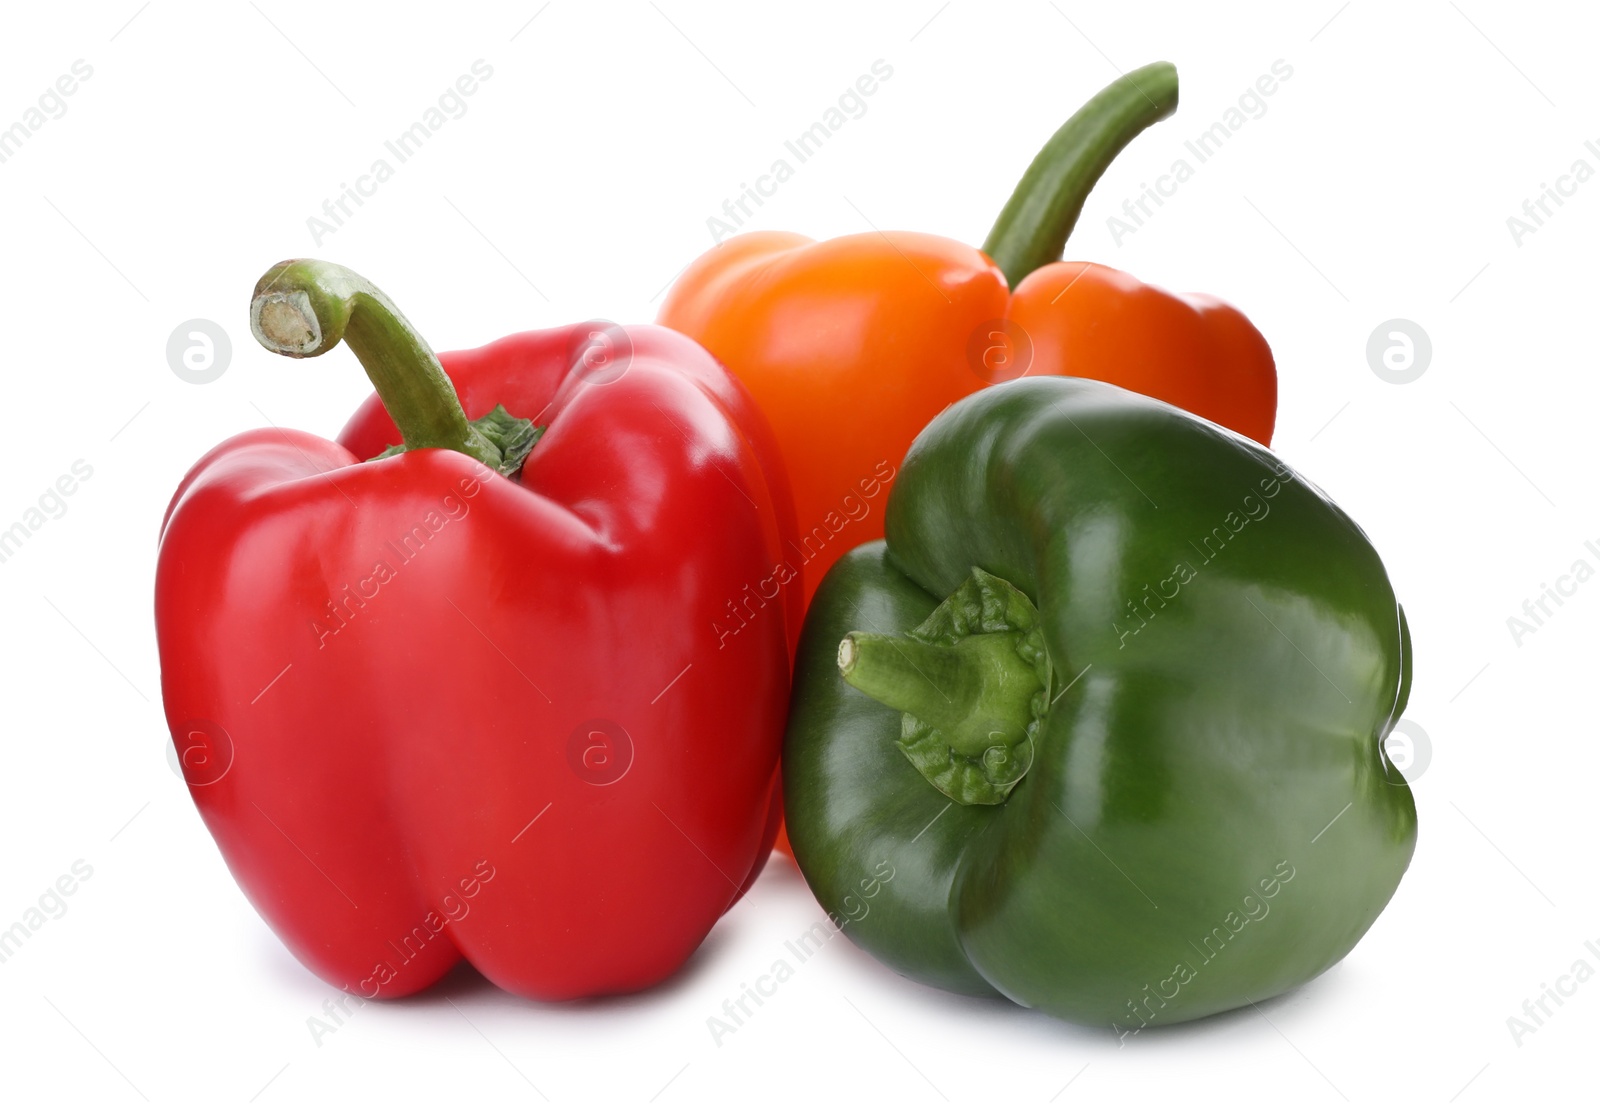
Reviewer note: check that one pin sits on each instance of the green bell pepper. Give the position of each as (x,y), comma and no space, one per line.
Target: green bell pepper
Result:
(1108,708)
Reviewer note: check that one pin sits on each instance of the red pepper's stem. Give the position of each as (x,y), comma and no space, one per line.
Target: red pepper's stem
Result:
(303,308)
(1032,229)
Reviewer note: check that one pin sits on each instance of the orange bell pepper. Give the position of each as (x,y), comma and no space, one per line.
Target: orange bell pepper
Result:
(851,346)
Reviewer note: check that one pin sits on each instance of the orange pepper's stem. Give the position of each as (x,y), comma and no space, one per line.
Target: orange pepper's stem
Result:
(1032,229)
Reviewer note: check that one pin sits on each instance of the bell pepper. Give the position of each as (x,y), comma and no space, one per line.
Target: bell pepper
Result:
(1099,727)
(851,345)
(446,688)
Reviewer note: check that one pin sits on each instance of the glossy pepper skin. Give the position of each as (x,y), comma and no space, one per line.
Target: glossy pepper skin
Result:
(851,346)
(1144,778)
(431,712)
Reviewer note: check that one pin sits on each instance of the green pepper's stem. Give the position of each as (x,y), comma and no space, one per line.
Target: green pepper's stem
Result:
(1032,229)
(977,692)
(302,308)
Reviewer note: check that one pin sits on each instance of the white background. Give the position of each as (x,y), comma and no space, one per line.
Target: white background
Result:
(1377,185)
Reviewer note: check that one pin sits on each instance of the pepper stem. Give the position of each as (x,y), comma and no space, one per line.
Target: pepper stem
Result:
(972,683)
(303,308)
(1032,229)
(976,691)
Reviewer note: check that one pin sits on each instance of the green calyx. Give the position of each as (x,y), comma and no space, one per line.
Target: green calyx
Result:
(1032,229)
(303,308)
(514,437)
(973,684)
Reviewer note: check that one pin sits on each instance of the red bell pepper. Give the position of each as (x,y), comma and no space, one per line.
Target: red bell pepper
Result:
(433,707)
